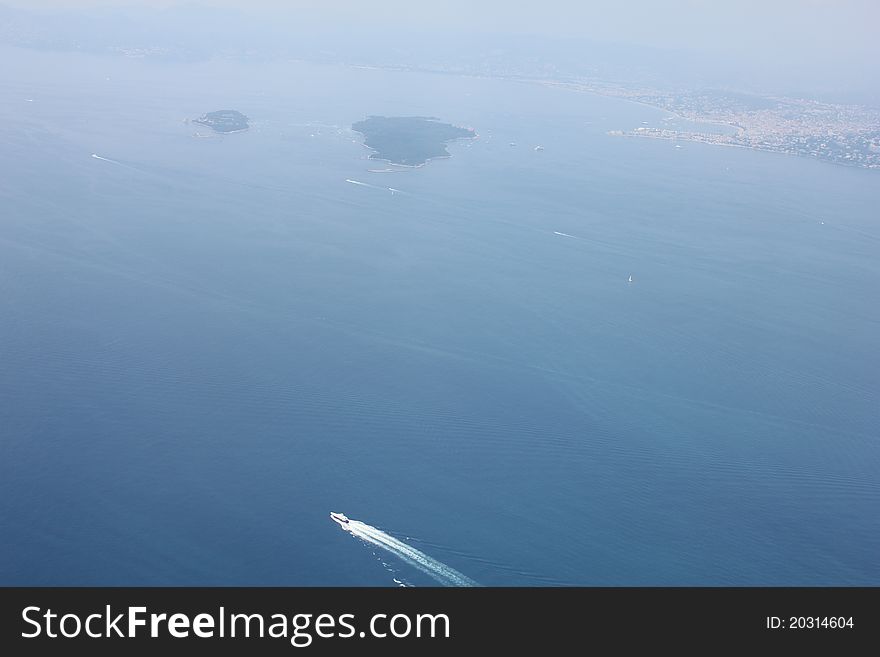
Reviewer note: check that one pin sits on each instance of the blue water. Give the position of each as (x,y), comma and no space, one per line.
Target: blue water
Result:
(207,344)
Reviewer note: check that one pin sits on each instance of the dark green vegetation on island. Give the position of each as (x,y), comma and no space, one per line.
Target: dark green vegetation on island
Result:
(408,140)
(224,121)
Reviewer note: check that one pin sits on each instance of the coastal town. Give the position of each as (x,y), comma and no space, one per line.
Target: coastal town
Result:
(842,134)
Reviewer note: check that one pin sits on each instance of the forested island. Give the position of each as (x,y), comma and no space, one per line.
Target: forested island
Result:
(409,140)
(224,121)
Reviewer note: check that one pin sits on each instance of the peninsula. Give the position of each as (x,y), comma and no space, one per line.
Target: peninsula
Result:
(409,140)
(224,121)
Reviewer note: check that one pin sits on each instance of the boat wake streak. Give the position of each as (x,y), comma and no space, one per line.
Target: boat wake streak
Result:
(384,189)
(104,159)
(444,574)
(116,162)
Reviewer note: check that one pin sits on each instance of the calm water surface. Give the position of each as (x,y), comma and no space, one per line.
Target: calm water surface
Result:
(207,344)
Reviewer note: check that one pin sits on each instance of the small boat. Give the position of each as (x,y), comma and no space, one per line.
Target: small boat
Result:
(340,518)
(630,279)
(539,148)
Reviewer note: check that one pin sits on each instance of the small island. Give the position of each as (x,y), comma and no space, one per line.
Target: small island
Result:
(408,140)
(224,121)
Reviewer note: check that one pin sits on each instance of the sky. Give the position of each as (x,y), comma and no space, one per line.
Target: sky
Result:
(811,24)
(827,39)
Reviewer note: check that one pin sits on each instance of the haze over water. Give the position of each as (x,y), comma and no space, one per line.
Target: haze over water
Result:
(207,344)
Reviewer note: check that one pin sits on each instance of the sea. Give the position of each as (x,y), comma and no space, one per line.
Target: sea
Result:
(208,343)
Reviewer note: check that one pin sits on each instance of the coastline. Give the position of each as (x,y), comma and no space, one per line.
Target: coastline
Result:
(740,130)
(569,86)
(584,88)
(620,133)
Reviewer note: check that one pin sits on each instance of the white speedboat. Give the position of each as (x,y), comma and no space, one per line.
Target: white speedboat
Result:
(339,518)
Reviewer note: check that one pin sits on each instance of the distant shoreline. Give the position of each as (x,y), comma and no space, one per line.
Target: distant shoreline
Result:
(740,131)
(619,92)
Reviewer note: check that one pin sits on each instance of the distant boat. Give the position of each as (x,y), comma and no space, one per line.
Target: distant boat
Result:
(341,519)
(539,148)
(630,279)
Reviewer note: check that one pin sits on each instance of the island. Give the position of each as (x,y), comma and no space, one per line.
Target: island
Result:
(224,121)
(409,140)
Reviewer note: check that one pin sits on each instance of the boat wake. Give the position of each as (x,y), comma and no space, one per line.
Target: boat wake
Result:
(445,575)
(106,159)
(384,189)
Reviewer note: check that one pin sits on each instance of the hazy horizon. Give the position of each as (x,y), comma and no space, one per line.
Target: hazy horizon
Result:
(780,47)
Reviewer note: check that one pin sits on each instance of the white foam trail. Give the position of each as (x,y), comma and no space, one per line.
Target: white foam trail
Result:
(394,191)
(106,159)
(363,184)
(444,574)
(556,232)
